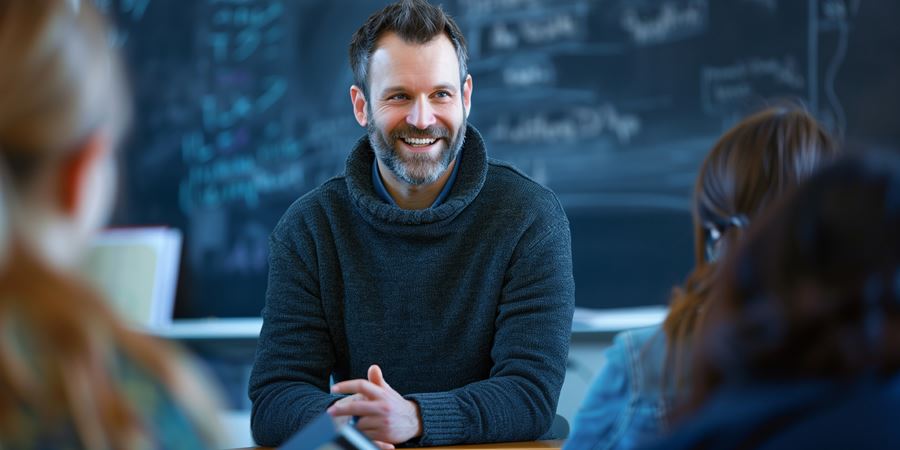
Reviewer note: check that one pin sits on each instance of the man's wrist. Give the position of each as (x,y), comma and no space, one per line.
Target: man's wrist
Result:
(418,414)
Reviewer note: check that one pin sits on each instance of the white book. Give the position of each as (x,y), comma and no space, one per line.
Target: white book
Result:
(137,270)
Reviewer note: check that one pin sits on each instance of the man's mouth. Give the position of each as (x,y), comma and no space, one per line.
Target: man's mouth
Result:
(419,142)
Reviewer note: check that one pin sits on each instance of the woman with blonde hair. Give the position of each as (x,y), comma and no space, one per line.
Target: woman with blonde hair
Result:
(72,376)
(645,378)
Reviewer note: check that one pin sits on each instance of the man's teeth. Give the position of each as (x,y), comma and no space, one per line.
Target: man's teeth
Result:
(419,142)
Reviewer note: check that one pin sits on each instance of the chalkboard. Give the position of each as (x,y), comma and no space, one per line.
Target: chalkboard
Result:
(243,106)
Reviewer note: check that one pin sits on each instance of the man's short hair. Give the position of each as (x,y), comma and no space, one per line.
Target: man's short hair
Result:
(415,21)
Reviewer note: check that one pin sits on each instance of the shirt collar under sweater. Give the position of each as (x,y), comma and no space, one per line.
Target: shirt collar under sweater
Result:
(472,173)
(382,191)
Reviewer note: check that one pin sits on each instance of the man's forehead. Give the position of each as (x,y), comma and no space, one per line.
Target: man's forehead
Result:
(396,59)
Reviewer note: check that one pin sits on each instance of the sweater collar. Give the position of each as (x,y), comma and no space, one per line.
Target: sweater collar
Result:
(470,179)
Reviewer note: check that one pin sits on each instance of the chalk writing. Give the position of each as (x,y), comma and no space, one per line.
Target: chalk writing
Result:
(237,180)
(728,85)
(572,126)
(242,30)
(837,14)
(239,156)
(259,16)
(557,27)
(669,23)
(502,38)
(536,31)
(485,8)
(529,74)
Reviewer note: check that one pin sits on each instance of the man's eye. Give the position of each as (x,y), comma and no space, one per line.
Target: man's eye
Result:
(442,94)
(398,97)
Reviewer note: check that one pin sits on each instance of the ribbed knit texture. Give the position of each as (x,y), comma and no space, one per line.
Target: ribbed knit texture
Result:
(467,307)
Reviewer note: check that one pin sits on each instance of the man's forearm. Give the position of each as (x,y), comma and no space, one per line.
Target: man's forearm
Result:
(280,410)
(495,410)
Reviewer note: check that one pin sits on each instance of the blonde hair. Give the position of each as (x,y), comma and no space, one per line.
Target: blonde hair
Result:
(61,347)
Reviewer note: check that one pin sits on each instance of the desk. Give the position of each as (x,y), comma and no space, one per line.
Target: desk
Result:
(555,445)
(532,445)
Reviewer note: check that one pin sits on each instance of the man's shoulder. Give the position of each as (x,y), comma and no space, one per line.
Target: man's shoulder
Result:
(517,188)
(322,195)
(508,172)
(315,205)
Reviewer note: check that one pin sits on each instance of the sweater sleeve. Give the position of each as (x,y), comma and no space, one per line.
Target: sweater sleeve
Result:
(295,354)
(531,343)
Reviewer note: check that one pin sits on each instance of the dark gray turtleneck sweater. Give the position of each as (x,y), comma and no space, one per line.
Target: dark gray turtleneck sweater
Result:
(467,307)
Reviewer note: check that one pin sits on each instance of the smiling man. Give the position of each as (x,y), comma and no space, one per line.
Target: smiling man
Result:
(416,120)
(426,264)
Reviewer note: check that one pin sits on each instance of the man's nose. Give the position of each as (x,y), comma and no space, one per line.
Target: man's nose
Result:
(421,115)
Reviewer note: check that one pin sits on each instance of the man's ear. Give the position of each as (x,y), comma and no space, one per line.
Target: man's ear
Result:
(467,95)
(76,169)
(359,105)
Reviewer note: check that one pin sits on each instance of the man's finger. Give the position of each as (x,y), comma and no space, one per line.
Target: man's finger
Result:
(350,398)
(376,377)
(360,409)
(383,445)
(364,387)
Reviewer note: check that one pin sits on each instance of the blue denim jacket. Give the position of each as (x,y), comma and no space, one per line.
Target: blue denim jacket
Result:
(625,405)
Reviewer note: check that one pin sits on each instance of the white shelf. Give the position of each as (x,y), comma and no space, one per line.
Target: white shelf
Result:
(618,319)
(585,321)
(231,328)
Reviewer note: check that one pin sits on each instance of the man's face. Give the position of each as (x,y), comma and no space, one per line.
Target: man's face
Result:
(416,110)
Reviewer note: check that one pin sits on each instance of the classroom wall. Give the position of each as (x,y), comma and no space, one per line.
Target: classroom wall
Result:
(243,106)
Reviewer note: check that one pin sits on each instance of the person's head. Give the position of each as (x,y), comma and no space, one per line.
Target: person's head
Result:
(411,89)
(814,291)
(62,109)
(751,165)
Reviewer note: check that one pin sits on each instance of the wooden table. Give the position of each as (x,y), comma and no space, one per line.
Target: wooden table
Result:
(556,445)
(532,445)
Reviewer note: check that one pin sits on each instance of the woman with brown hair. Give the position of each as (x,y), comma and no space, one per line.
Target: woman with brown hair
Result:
(72,376)
(644,378)
(801,348)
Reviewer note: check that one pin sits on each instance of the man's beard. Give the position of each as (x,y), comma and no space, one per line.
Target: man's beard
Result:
(418,168)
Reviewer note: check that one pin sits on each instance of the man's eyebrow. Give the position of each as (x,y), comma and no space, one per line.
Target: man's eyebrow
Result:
(392,90)
(446,87)
(439,87)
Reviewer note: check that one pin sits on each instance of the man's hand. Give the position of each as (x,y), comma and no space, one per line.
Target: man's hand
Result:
(383,414)
(343,420)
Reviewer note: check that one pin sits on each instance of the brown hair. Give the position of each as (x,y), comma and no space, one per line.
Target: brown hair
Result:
(415,21)
(814,292)
(753,163)
(59,342)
